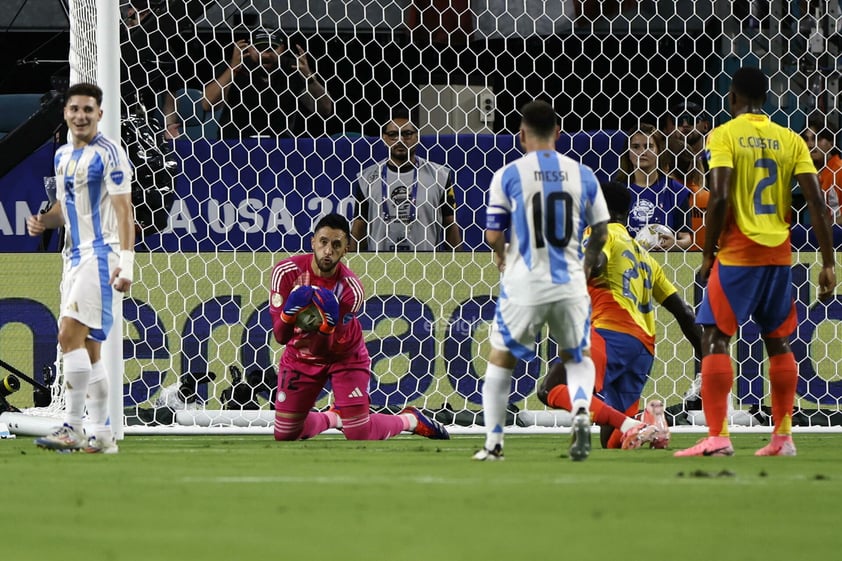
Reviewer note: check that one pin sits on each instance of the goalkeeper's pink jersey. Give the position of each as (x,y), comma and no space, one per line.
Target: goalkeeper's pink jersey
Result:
(347,340)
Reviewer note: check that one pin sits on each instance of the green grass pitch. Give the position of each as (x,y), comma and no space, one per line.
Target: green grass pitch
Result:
(248,497)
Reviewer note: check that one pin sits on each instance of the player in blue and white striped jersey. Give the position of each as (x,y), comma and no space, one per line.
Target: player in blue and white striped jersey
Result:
(93,178)
(544,200)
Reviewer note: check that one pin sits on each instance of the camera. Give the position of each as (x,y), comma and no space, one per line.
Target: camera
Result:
(8,385)
(243,25)
(244,393)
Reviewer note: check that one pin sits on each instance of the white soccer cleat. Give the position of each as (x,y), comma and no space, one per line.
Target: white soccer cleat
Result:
(64,439)
(102,446)
(580,445)
(486,455)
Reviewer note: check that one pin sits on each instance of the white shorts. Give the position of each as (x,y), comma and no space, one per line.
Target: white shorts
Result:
(86,294)
(516,327)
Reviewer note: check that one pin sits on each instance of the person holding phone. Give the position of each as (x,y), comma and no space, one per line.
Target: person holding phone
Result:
(266,90)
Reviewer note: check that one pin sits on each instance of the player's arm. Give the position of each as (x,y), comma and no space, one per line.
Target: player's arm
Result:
(497,219)
(37,224)
(497,240)
(683,314)
(452,232)
(809,183)
(282,303)
(719,186)
(123,275)
(359,228)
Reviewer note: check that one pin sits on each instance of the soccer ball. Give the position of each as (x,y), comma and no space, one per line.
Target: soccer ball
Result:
(650,235)
(308,319)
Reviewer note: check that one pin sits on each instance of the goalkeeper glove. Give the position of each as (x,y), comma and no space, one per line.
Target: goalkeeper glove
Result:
(327,304)
(297,300)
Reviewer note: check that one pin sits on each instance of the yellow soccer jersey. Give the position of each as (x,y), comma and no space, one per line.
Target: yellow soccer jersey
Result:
(764,158)
(623,297)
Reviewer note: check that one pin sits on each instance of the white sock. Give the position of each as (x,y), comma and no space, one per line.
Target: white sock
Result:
(77,373)
(581,377)
(495,396)
(629,423)
(98,399)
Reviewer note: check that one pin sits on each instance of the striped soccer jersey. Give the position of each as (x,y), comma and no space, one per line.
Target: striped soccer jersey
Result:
(545,200)
(85,179)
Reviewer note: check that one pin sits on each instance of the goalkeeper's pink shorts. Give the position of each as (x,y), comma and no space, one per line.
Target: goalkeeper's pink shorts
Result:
(300,383)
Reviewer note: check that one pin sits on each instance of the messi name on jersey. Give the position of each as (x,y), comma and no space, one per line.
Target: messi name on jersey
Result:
(759,142)
(550,176)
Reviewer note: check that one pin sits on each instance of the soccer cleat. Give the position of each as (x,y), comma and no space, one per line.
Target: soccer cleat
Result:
(427,427)
(580,446)
(639,435)
(65,439)
(101,446)
(653,415)
(708,446)
(780,445)
(486,455)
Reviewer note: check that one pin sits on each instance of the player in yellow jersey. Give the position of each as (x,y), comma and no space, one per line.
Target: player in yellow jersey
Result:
(752,163)
(624,287)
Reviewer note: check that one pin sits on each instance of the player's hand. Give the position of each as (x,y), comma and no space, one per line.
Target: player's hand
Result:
(120,284)
(827,283)
(35,225)
(665,242)
(500,262)
(326,302)
(298,299)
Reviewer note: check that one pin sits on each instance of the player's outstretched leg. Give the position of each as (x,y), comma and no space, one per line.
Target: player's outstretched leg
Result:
(426,427)
(780,445)
(65,439)
(580,447)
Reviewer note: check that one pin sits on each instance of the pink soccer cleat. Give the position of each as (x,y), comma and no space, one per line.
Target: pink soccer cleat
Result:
(639,435)
(654,415)
(780,445)
(709,446)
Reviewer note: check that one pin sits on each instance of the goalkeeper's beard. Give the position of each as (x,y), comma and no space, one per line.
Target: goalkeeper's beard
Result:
(326,264)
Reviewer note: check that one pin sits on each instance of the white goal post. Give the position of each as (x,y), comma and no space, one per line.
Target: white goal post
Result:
(196,325)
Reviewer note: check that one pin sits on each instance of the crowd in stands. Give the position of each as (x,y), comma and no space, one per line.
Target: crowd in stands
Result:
(267,85)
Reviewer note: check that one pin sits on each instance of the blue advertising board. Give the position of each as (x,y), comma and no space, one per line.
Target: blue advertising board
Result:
(265,194)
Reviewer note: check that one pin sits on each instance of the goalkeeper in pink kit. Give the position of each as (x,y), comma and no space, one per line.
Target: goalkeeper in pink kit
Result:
(335,351)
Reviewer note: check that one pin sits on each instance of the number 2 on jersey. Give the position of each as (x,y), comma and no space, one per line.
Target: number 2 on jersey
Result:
(772,167)
(638,269)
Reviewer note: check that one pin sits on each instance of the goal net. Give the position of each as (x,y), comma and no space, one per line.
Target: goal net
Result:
(198,345)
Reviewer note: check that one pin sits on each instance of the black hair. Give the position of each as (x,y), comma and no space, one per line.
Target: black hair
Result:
(85,89)
(540,118)
(397,112)
(335,221)
(750,83)
(618,199)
